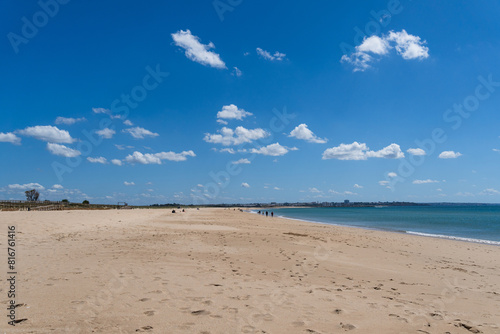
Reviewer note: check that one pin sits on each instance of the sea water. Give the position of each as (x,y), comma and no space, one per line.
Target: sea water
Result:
(468,223)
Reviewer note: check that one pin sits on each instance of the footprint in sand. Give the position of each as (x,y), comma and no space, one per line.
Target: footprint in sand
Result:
(347,327)
(149,313)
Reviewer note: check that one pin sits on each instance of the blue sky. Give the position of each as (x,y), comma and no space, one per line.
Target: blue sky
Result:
(250,101)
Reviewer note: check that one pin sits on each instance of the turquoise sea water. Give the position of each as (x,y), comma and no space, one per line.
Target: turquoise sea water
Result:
(468,223)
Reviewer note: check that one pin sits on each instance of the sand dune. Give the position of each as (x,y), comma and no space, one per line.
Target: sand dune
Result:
(225,271)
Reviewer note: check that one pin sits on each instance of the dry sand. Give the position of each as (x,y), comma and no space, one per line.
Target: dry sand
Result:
(224,271)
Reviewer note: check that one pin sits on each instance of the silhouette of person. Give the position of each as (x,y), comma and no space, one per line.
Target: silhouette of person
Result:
(267,213)
(272,214)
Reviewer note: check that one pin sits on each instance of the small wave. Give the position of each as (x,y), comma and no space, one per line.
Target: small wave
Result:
(480,241)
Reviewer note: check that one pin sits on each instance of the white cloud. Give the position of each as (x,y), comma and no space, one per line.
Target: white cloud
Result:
(360,151)
(276,188)
(197,51)
(358,186)
(392,151)
(241,161)
(69,120)
(240,135)
(233,112)
(245,185)
(98,160)
(489,191)
(449,155)
(496,150)
(129,183)
(62,150)
(57,186)
(101,111)
(106,133)
(140,133)
(26,186)
(374,44)
(302,132)
(383,183)
(172,156)
(273,150)
(227,150)
(148,158)
(278,56)
(424,181)
(406,45)
(128,122)
(237,72)
(392,175)
(416,151)
(116,162)
(48,133)
(9,137)
(314,190)
(354,151)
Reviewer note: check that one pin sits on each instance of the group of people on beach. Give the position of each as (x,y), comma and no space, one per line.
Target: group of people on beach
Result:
(266,213)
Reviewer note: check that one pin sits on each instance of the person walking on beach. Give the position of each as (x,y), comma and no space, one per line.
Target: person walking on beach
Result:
(267,213)
(272,214)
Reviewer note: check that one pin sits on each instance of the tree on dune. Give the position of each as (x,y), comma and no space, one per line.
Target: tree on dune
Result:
(32,195)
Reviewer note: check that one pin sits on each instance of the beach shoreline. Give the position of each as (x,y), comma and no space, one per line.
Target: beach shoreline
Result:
(222,270)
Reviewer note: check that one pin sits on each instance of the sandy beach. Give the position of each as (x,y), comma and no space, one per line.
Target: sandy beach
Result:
(226,271)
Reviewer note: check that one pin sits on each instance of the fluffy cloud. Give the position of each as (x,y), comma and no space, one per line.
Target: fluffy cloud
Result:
(69,121)
(278,56)
(406,45)
(197,51)
(354,151)
(392,175)
(48,133)
(140,133)
(489,191)
(273,150)
(240,135)
(128,122)
(357,186)
(227,150)
(424,181)
(129,183)
(116,162)
(232,112)
(26,186)
(62,150)
(245,185)
(106,133)
(302,132)
(314,190)
(172,156)
(374,44)
(416,151)
(392,151)
(360,151)
(98,160)
(148,158)
(241,161)
(57,186)
(449,155)
(9,137)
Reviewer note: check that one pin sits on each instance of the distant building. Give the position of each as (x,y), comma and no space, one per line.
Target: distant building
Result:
(346,201)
